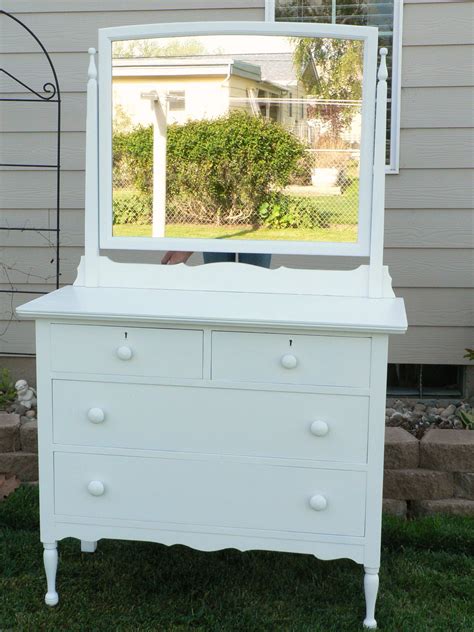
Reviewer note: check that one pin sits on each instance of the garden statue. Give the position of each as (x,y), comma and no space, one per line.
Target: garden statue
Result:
(26,395)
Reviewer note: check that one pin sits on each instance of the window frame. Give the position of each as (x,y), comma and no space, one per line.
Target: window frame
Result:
(393,166)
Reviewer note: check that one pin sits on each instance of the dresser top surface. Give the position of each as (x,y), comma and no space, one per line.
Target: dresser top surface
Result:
(380,315)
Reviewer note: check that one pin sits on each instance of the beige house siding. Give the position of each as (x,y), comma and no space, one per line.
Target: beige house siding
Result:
(429,221)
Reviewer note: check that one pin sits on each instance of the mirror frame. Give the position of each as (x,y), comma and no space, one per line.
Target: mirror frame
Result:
(368,35)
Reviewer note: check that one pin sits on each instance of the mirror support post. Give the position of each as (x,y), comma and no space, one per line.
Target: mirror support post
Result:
(91,258)
(378,189)
(159,107)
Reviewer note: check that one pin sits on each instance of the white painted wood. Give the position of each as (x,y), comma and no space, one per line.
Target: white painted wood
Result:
(88,547)
(371,586)
(247,402)
(50,559)
(285,417)
(325,360)
(378,189)
(154,352)
(220,307)
(91,258)
(215,492)
(214,538)
(368,35)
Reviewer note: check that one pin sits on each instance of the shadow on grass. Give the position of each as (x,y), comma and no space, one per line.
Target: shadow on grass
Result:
(425,583)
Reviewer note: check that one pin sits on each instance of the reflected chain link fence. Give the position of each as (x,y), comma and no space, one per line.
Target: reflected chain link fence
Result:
(321,205)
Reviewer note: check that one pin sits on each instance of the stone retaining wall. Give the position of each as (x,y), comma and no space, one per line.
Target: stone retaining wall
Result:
(434,475)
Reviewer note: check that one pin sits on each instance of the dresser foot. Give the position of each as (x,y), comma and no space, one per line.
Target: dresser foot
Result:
(371,586)
(88,547)
(50,558)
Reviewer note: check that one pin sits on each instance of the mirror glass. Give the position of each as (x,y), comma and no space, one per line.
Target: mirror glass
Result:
(237,137)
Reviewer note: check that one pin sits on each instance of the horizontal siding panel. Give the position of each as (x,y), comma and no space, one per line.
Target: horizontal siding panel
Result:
(414,188)
(51,6)
(430,188)
(443,23)
(71,227)
(37,265)
(437,107)
(40,148)
(437,148)
(17,337)
(408,268)
(82,32)
(442,307)
(429,228)
(431,345)
(9,302)
(71,69)
(42,117)
(37,189)
(437,66)
(431,267)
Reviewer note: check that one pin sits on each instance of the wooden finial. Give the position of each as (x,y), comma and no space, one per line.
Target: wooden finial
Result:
(92,71)
(383,72)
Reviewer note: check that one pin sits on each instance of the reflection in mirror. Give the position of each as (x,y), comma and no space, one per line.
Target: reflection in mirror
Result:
(244,137)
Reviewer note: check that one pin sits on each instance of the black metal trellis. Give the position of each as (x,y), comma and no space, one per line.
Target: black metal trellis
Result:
(50,94)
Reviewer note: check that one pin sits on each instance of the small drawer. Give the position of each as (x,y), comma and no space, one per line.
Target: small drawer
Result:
(217,492)
(280,358)
(135,351)
(211,420)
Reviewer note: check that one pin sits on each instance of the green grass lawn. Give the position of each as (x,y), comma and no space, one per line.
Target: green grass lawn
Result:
(340,233)
(426,583)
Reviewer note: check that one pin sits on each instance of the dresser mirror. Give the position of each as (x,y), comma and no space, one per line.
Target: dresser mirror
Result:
(236,138)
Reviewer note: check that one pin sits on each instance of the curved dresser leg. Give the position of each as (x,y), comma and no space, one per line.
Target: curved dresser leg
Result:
(371,586)
(50,558)
(88,547)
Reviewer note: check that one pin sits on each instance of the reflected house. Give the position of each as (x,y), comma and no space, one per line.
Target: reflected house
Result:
(209,86)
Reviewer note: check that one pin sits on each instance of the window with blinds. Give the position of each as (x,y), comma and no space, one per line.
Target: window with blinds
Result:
(383,14)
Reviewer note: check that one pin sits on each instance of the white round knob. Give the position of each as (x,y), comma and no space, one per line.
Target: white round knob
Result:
(319,428)
(96,415)
(318,502)
(124,353)
(96,488)
(289,361)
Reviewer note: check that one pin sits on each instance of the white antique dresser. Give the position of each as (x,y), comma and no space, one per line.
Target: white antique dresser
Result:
(215,406)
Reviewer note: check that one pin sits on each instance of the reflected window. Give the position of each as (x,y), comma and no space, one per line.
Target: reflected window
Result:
(177,100)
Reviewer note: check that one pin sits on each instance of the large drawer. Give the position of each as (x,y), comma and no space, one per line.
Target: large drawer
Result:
(216,492)
(300,359)
(136,351)
(211,420)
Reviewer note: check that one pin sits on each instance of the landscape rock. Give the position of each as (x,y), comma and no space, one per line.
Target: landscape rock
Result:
(448,450)
(23,464)
(401,449)
(449,506)
(464,485)
(417,484)
(9,432)
(29,436)
(393,507)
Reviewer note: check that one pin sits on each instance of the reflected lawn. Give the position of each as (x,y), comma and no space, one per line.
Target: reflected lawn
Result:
(345,233)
